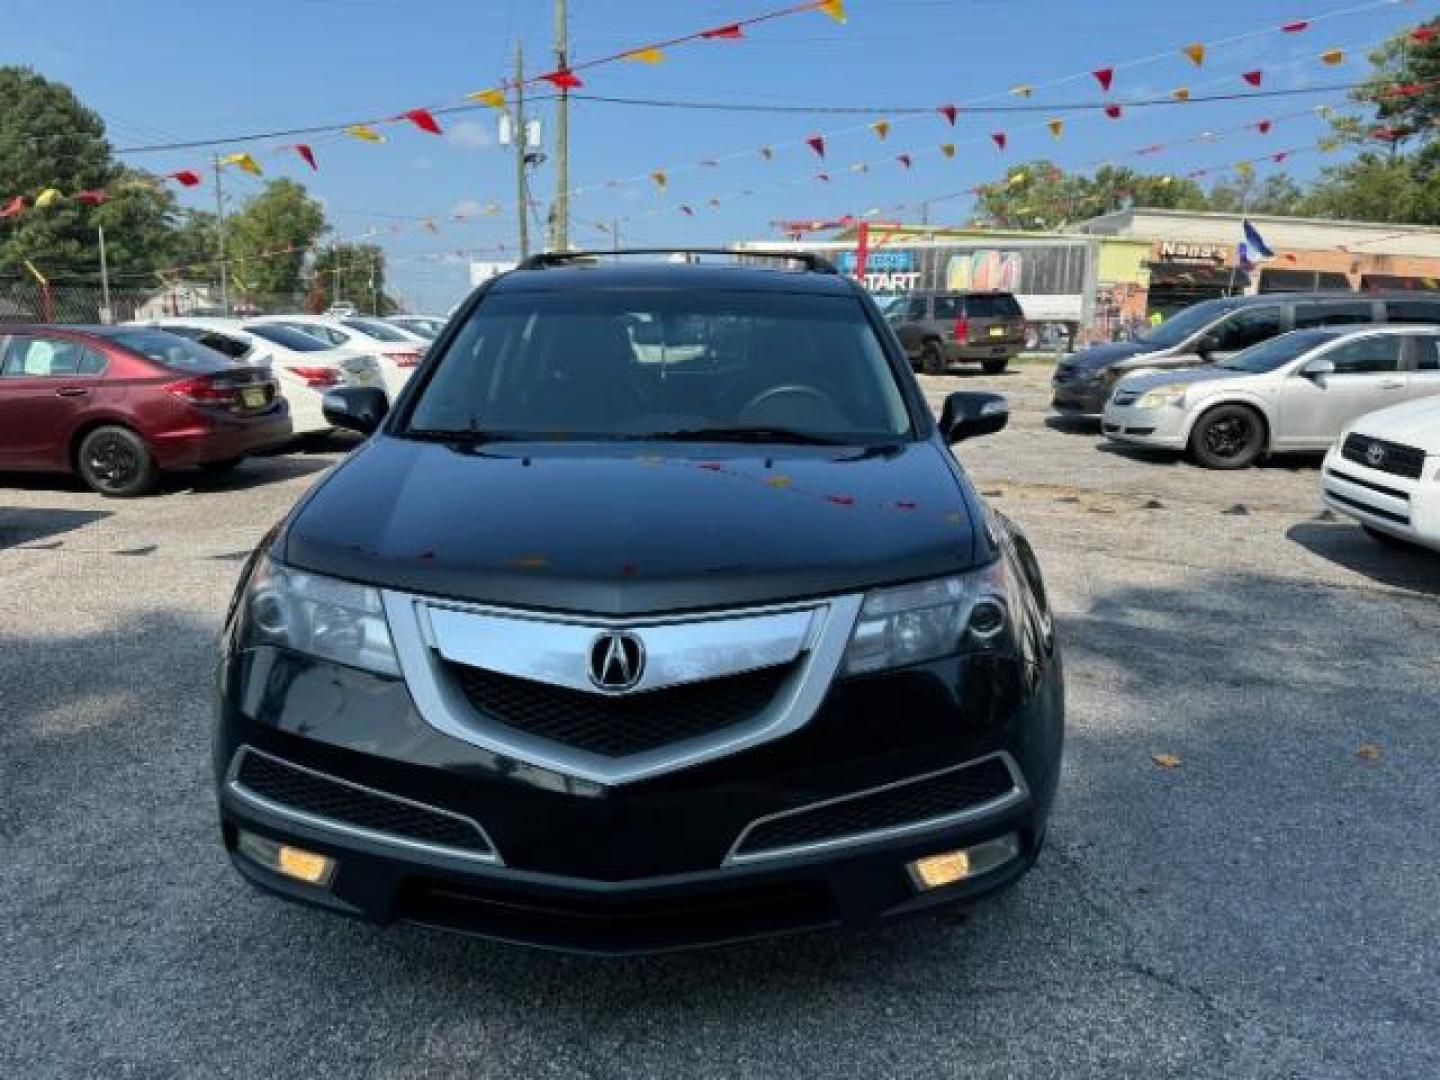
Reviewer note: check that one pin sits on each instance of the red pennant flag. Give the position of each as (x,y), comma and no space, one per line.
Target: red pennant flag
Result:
(1104,76)
(13,207)
(563,79)
(1113,111)
(816,143)
(1281,156)
(1263,127)
(307,155)
(730,32)
(425,120)
(825,176)
(1295,27)
(1288,257)
(1153,148)
(1384,134)
(949,112)
(1413,89)
(998,137)
(1253,77)
(90,198)
(1423,34)
(185,177)
(904,160)
(687,211)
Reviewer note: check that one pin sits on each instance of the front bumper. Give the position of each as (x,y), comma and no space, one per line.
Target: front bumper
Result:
(1164,427)
(659,863)
(1081,399)
(1397,505)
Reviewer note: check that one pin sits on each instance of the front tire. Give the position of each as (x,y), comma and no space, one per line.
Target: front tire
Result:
(994,367)
(932,360)
(221,467)
(116,463)
(1228,437)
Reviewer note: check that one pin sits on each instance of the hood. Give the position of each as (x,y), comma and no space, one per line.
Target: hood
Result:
(1151,380)
(1102,356)
(609,529)
(1413,423)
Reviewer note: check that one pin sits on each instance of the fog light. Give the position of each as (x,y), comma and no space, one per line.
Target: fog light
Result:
(307,866)
(948,867)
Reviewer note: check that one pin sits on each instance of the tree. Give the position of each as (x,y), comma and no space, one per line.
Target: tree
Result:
(194,246)
(268,239)
(1378,187)
(352,272)
(1403,92)
(48,139)
(1038,195)
(1276,194)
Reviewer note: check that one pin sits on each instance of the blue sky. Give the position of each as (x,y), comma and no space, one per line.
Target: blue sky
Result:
(162,70)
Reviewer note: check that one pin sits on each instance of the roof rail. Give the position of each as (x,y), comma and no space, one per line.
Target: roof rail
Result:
(815,264)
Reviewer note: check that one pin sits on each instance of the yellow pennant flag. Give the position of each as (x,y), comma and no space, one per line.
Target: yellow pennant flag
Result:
(493,97)
(490,209)
(1017,178)
(661,180)
(1332,57)
(1022,90)
(948,149)
(242,161)
(1166,180)
(834,8)
(48,197)
(1181,93)
(1195,52)
(881,128)
(1328,145)
(1057,127)
(645,56)
(1244,170)
(860,167)
(364,132)
(430,225)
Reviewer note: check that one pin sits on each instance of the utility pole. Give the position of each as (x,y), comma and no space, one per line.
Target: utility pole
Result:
(518,136)
(220,232)
(106,315)
(560,236)
(615,233)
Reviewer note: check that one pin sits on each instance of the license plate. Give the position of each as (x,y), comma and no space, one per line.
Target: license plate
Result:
(997,331)
(252,397)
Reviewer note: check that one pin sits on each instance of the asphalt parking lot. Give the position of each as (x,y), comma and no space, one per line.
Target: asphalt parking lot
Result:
(1265,908)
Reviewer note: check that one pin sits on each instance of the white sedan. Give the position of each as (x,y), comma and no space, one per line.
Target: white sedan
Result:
(399,351)
(304,367)
(427,326)
(1384,471)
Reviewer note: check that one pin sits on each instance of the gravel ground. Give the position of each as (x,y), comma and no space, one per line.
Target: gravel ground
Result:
(1265,909)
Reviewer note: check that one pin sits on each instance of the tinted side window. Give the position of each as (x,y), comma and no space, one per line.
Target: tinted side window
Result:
(1413,311)
(1001,306)
(1327,313)
(1367,355)
(50,358)
(947,307)
(1427,353)
(1247,327)
(916,310)
(227,345)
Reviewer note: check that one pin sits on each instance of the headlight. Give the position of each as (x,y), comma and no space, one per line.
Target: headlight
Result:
(321,616)
(913,623)
(1162,396)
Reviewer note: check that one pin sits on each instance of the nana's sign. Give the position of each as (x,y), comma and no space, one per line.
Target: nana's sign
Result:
(1176,251)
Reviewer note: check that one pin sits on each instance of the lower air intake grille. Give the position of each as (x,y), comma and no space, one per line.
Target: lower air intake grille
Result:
(616,726)
(312,793)
(852,817)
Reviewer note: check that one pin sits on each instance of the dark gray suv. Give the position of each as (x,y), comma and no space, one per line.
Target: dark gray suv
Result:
(941,328)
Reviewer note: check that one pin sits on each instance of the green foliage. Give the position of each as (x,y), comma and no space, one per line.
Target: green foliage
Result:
(267,239)
(1278,193)
(353,272)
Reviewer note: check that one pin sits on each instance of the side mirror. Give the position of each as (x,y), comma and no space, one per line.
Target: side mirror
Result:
(355,408)
(1207,344)
(1318,369)
(968,413)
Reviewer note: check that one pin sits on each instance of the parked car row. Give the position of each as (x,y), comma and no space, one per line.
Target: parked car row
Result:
(118,405)
(1231,381)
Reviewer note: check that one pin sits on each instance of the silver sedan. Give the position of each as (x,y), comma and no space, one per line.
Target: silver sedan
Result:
(1291,393)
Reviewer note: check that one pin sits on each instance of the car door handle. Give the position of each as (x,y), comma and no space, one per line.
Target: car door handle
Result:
(71,391)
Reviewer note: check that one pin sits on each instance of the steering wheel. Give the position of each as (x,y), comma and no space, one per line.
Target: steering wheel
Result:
(805,392)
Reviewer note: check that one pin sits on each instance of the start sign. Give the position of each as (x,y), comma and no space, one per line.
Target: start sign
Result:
(885,271)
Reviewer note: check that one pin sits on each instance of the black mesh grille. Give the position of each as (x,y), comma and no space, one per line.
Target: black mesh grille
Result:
(1399,460)
(337,801)
(624,724)
(917,801)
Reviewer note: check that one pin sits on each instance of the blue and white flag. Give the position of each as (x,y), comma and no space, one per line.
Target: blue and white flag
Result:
(1255,246)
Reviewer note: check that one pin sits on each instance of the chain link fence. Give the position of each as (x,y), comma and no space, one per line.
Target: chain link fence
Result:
(30,302)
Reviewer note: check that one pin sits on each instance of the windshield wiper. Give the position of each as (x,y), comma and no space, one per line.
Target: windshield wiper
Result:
(464,436)
(745,435)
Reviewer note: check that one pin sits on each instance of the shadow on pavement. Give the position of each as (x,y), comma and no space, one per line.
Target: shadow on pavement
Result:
(1346,544)
(1073,425)
(29,525)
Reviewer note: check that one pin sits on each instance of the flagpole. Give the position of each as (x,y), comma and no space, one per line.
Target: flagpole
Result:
(106,315)
(220,233)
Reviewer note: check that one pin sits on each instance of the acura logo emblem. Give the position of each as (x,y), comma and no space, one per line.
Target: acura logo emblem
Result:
(617,660)
(1375,454)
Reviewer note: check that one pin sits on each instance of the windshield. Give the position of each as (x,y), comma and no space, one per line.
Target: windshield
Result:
(172,351)
(1275,353)
(665,365)
(377,330)
(293,340)
(1181,325)
(426,328)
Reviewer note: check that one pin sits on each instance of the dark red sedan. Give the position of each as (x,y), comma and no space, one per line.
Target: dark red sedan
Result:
(117,405)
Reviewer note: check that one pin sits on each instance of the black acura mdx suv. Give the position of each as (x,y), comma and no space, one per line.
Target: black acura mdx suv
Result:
(655,613)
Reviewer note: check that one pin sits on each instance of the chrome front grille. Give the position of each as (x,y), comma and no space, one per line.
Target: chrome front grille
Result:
(1393,458)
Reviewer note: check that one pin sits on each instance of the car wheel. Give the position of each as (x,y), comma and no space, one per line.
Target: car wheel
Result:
(1228,437)
(932,360)
(114,461)
(225,465)
(994,367)
(1387,539)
